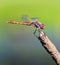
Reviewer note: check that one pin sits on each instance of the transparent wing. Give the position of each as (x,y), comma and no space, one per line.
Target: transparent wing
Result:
(34,19)
(25,18)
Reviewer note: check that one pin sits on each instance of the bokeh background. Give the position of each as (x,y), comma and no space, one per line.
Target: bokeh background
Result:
(18,45)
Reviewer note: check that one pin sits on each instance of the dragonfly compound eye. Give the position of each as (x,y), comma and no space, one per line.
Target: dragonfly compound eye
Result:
(42,26)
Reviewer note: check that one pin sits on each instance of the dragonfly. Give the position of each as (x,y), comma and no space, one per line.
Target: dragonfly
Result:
(32,22)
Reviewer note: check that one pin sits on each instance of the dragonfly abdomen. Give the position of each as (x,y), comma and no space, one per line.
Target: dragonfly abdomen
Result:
(14,22)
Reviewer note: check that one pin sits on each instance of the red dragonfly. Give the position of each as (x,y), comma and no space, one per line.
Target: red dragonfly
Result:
(35,23)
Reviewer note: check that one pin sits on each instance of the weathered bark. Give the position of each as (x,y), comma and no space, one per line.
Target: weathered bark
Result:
(49,47)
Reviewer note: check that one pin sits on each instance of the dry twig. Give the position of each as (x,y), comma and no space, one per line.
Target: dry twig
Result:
(49,47)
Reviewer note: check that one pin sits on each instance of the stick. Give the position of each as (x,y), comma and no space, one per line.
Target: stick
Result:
(49,47)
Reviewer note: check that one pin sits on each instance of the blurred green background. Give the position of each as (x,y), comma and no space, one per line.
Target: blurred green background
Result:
(18,44)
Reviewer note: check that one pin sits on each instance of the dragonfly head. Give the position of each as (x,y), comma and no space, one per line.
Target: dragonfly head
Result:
(42,26)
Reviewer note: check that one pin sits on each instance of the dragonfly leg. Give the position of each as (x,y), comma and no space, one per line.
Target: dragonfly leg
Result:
(35,31)
(35,34)
(39,30)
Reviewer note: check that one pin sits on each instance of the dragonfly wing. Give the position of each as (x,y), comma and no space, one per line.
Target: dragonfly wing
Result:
(34,19)
(25,18)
